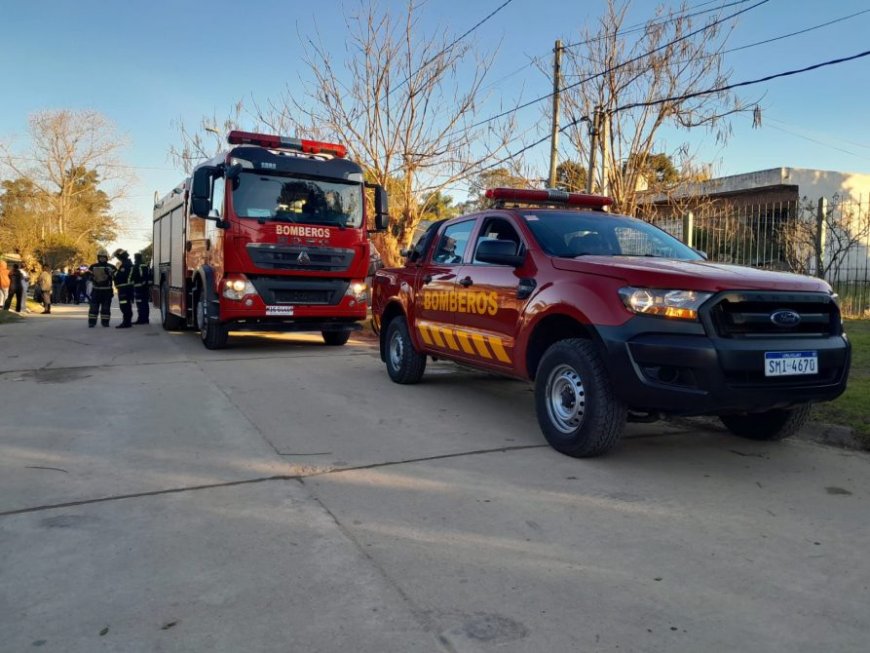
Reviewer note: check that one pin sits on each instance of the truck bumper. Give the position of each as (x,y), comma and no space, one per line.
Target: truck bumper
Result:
(678,369)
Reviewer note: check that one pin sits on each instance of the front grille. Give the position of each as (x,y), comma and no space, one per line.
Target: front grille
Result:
(277,290)
(302,296)
(300,257)
(748,315)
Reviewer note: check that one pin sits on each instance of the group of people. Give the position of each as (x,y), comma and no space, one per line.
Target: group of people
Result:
(94,284)
(14,284)
(133,281)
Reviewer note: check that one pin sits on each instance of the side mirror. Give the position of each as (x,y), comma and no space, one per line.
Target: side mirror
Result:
(382,217)
(200,193)
(499,252)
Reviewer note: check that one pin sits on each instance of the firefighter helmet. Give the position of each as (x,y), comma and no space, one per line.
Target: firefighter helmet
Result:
(120,253)
(102,253)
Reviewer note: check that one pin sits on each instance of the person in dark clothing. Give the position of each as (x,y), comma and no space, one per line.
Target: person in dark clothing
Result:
(16,288)
(70,285)
(141,288)
(124,284)
(101,273)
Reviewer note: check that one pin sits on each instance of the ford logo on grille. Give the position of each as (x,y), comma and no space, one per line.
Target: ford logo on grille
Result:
(785,318)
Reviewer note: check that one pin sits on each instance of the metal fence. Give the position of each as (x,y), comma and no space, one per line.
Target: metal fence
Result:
(826,238)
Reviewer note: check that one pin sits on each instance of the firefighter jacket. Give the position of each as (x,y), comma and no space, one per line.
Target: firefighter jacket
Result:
(141,275)
(124,276)
(101,275)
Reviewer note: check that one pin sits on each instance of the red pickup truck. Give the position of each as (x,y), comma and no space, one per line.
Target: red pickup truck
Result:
(612,318)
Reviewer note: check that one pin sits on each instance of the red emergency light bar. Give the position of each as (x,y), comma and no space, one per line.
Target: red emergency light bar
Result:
(236,137)
(548,197)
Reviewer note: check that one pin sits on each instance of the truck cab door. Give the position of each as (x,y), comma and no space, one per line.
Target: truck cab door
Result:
(495,297)
(435,301)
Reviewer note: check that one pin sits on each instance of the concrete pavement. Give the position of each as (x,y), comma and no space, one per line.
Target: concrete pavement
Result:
(281,495)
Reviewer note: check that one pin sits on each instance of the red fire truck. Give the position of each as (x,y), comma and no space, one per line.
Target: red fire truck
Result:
(270,235)
(613,320)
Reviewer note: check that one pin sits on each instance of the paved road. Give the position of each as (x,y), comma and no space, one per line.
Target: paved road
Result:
(281,495)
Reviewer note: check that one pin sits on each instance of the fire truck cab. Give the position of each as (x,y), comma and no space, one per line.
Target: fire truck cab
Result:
(271,235)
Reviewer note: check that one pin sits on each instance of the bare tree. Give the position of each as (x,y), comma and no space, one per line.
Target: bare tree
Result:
(614,68)
(397,102)
(66,148)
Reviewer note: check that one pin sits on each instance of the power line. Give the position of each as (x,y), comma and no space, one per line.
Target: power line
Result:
(620,65)
(447,48)
(628,30)
(814,140)
(664,21)
(728,87)
(820,133)
(96,165)
(688,96)
(785,36)
(803,31)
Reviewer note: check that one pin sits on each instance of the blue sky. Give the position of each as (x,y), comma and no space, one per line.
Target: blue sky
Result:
(147,64)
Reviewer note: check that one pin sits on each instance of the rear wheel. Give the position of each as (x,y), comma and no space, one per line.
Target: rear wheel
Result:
(169,321)
(577,409)
(404,364)
(213,334)
(335,338)
(775,424)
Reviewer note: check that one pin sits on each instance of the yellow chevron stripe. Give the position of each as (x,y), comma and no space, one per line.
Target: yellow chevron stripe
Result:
(436,336)
(424,333)
(498,349)
(451,341)
(465,342)
(480,343)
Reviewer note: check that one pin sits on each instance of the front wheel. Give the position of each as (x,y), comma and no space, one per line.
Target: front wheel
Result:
(775,424)
(577,409)
(404,364)
(213,334)
(335,338)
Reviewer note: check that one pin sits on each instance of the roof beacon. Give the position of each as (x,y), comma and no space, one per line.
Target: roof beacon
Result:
(236,137)
(502,195)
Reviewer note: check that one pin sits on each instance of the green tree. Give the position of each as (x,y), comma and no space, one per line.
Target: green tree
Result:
(571,176)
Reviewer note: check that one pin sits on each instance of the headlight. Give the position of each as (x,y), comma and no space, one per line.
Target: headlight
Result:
(358,290)
(238,288)
(677,304)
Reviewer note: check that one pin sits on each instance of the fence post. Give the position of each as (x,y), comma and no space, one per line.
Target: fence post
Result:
(689,229)
(821,237)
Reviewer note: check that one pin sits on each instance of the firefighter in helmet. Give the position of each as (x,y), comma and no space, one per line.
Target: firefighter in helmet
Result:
(101,274)
(141,288)
(124,284)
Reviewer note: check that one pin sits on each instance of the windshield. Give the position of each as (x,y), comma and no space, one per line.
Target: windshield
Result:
(293,199)
(571,233)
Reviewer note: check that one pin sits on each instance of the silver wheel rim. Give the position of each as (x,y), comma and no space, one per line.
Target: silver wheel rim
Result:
(566,399)
(397,350)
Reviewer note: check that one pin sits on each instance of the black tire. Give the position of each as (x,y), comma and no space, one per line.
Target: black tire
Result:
(775,424)
(404,364)
(213,334)
(335,338)
(578,411)
(169,321)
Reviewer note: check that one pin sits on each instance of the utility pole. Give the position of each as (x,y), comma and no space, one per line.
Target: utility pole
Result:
(593,146)
(557,83)
(605,151)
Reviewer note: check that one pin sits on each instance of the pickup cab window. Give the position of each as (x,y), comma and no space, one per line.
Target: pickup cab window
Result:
(453,243)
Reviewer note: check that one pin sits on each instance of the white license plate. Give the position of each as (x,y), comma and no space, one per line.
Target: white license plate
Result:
(790,363)
(279,310)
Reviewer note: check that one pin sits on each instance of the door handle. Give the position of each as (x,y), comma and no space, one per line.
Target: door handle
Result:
(427,279)
(466,282)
